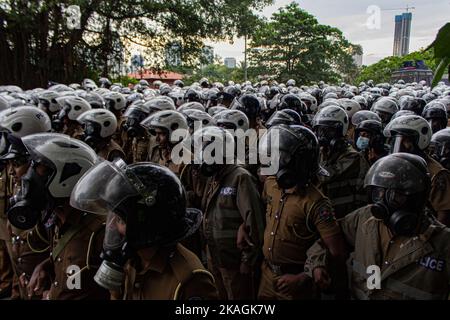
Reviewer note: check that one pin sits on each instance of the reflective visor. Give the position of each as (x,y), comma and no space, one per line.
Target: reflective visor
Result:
(101,189)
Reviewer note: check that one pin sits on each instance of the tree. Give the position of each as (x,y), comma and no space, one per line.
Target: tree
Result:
(381,71)
(441,49)
(38,43)
(216,73)
(294,45)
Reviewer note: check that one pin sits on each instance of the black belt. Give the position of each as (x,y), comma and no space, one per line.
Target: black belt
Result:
(280,269)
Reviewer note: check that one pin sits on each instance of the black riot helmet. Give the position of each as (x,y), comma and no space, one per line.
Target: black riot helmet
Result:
(145,205)
(436,114)
(293,102)
(411,103)
(440,146)
(134,115)
(148,197)
(272,92)
(192,95)
(296,150)
(285,116)
(248,104)
(399,185)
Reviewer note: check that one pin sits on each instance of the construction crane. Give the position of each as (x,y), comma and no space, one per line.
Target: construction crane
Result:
(395,9)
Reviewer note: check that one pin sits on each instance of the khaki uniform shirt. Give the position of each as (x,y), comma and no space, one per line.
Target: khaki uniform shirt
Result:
(173,274)
(231,198)
(111,151)
(440,185)
(78,242)
(411,267)
(294,222)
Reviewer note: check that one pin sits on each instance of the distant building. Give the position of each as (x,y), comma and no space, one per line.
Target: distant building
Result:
(173,54)
(230,62)
(402,34)
(207,55)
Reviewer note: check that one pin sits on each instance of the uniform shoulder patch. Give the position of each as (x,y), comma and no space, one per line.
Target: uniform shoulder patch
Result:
(432,263)
(228,191)
(326,212)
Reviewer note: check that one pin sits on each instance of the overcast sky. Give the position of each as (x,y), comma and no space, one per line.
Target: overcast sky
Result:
(351,17)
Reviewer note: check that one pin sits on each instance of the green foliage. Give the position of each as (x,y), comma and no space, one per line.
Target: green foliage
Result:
(216,73)
(37,44)
(294,45)
(125,80)
(382,70)
(441,46)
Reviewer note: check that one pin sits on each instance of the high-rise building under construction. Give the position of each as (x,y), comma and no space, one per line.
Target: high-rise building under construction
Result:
(402,33)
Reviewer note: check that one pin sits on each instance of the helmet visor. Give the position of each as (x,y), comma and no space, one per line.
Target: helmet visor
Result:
(102,189)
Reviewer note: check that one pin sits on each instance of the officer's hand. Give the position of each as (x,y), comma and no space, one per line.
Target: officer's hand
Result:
(245,268)
(291,283)
(23,280)
(321,278)
(243,240)
(35,286)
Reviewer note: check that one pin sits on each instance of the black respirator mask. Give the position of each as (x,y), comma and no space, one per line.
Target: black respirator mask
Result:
(290,172)
(115,255)
(92,134)
(133,124)
(400,212)
(208,170)
(328,138)
(27,206)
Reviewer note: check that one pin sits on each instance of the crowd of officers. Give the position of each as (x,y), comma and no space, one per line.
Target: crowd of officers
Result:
(93,205)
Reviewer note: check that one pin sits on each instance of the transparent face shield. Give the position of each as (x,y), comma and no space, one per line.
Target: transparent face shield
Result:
(401,143)
(102,189)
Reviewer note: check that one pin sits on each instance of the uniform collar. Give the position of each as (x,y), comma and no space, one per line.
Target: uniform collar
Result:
(158,260)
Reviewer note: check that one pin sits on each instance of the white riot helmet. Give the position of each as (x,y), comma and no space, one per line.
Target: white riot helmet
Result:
(114,101)
(159,104)
(215,110)
(23,121)
(98,122)
(349,106)
(197,118)
(385,108)
(191,105)
(169,120)
(232,119)
(67,157)
(363,115)
(309,100)
(332,116)
(89,85)
(73,108)
(213,146)
(4,103)
(48,101)
(412,127)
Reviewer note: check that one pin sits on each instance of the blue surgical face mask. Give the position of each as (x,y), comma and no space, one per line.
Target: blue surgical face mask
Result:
(362,143)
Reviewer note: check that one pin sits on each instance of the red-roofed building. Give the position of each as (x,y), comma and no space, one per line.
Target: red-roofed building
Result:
(165,76)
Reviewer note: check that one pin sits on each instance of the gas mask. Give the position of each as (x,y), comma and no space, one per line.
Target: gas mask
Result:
(442,154)
(329,139)
(27,206)
(400,212)
(57,123)
(287,176)
(115,254)
(132,125)
(92,134)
